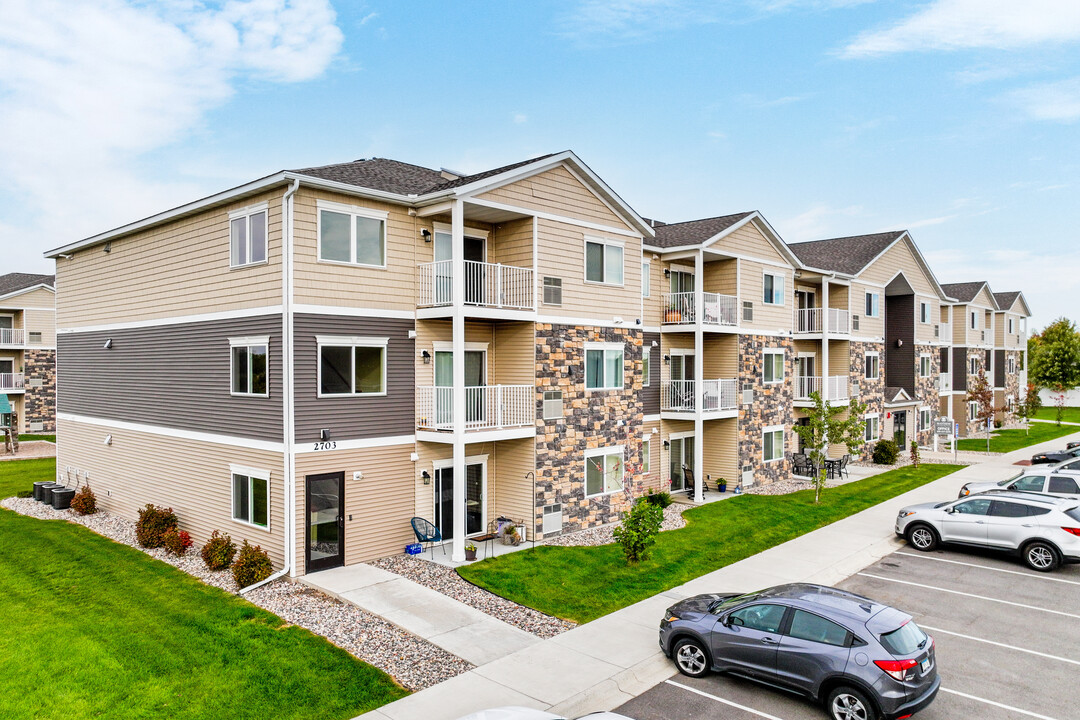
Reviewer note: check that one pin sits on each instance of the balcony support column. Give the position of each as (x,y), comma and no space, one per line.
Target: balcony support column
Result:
(826,373)
(457,242)
(699,375)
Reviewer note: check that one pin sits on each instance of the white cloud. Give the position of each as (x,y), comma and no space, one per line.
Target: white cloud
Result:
(956,24)
(818,222)
(1058,101)
(925,222)
(90,87)
(520,118)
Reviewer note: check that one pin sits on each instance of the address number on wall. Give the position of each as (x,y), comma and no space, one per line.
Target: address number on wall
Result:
(325,445)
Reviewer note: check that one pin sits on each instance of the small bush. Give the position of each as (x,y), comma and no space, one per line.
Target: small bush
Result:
(886,452)
(84,502)
(915,457)
(252,566)
(638,530)
(218,552)
(177,542)
(663,499)
(153,523)
(25,494)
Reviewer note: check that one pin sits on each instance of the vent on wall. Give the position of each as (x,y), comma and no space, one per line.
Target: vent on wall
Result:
(854,322)
(747,311)
(747,393)
(747,476)
(37,426)
(552,291)
(552,518)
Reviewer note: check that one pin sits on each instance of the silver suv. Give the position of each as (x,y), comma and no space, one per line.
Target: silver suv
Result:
(857,657)
(1043,529)
(1059,481)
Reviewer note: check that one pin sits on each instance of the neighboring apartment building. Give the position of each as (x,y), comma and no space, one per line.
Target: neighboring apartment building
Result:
(28,352)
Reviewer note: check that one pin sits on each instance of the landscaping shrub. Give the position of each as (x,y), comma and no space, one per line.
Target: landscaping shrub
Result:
(153,523)
(638,530)
(886,452)
(218,551)
(84,502)
(177,542)
(25,494)
(663,499)
(915,457)
(252,566)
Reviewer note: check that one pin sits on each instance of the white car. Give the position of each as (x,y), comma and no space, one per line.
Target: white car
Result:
(1059,481)
(524,713)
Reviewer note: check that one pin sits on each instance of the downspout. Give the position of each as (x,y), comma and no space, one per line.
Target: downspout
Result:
(289,489)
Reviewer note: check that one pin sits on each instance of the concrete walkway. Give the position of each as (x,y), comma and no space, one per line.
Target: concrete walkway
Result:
(604,663)
(442,621)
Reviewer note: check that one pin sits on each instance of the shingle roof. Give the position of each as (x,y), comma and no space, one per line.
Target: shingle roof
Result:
(965,291)
(848,255)
(1005,300)
(693,232)
(13,282)
(892,394)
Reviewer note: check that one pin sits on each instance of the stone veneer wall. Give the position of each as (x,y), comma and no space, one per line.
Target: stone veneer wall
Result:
(970,428)
(773,405)
(591,419)
(871,392)
(927,393)
(40,402)
(1012,381)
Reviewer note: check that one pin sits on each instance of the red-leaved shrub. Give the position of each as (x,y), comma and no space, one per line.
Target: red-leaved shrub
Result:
(84,502)
(153,523)
(252,566)
(218,551)
(177,542)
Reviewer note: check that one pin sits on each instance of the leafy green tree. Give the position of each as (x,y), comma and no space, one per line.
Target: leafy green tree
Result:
(1028,406)
(825,427)
(1054,356)
(638,530)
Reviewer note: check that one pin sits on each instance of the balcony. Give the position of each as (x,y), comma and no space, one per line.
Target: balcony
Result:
(717,309)
(11,382)
(809,321)
(806,384)
(717,396)
(487,407)
(488,285)
(943,331)
(945,382)
(839,387)
(12,336)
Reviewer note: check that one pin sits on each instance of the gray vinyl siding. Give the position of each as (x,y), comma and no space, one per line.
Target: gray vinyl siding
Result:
(355,417)
(175,376)
(650,396)
(960,368)
(899,357)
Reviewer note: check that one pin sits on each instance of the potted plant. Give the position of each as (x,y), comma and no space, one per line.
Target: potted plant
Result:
(723,485)
(510,535)
(470,552)
(672,315)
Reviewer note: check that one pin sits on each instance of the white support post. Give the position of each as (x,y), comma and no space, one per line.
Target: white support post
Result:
(825,374)
(457,241)
(699,376)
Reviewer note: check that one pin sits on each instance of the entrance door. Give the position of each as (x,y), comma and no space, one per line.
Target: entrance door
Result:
(475,507)
(682,382)
(900,429)
(804,370)
(474,274)
(475,405)
(682,453)
(325,547)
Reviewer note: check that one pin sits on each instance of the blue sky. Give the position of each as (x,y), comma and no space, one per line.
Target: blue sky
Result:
(956,119)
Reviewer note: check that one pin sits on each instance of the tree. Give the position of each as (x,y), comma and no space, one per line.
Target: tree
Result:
(825,427)
(1054,356)
(1028,406)
(983,394)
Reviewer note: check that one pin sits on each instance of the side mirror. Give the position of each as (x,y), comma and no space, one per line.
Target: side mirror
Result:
(733,621)
(950,510)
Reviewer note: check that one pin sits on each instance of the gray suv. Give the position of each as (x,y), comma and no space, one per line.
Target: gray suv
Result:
(860,659)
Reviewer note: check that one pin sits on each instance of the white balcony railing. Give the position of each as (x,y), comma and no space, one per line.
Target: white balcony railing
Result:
(806,384)
(486,284)
(11,381)
(716,395)
(487,407)
(809,321)
(943,331)
(12,336)
(945,382)
(839,321)
(717,309)
(838,388)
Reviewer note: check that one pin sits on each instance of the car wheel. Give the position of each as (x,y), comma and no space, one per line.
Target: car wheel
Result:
(847,703)
(922,537)
(691,658)
(1041,556)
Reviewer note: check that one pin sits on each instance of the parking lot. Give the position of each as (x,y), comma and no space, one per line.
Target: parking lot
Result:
(1008,643)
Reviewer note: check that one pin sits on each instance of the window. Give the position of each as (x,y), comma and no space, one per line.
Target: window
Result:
(603,261)
(854,322)
(603,471)
(247,236)
(924,366)
(249,366)
(772,366)
(1064,485)
(552,291)
(1010,326)
(766,618)
(973,366)
(352,235)
(973,410)
(747,311)
(1010,364)
(974,321)
(924,313)
(808,626)
(871,366)
(1029,483)
(774,289)
(979,506)
(646,284)
(553,406)
(873,305)
(603,366)
(870,434)
(352,366)
(924,419)
(646,366)
(773,444)
(646,456)
(251,496)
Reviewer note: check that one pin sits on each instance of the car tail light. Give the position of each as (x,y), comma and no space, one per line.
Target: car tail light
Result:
(1074,531)
(896,668)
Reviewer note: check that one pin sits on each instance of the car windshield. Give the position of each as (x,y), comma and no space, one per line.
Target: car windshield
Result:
(1006,481)
(722,605)
(904,640)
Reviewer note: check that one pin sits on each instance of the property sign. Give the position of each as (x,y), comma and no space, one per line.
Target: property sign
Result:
(944,427)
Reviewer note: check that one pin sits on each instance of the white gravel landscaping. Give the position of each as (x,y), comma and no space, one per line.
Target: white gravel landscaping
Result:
(603,535)
(412,661)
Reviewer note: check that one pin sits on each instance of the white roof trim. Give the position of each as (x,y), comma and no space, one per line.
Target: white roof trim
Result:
(39,286)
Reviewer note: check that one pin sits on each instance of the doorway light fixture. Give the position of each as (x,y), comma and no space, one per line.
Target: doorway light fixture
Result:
(426,356)
(426,234)
(426,476)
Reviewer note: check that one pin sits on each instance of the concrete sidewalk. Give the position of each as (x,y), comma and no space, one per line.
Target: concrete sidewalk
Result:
(604,663)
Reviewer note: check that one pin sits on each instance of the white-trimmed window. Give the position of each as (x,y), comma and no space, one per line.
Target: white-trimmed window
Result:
(646,366)
(773,289)
(973,411)
(873,305)
(603,261)
(552,291)
(251,496)
(924,419)
(603,471)
(646,282)
(646,456)
(924,366)
(351,365)
(924,313)
(772,444)
(603,366)
(973,366)
(553,405)
(249,367)
(974,320)
(247,236)
(872,365)
(352,235)
(1010,364)
(772,366)
(1010,321)
(871,431)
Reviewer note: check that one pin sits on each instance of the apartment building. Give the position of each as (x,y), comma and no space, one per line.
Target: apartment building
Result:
(28,352)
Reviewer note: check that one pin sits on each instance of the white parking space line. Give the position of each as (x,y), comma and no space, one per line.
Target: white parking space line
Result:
(1003,645)
(970,595)
(1003,706)
(722,700)
(987,567)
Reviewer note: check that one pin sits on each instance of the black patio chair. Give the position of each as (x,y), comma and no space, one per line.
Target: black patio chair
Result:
(427,533)
(843,465)
(688,479)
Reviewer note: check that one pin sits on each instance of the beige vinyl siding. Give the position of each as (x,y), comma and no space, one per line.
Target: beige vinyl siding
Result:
(721,276)
(752,281)
(562,255)
(839,297)
(556,191)
(511,243)
(750,241)
(721,452)
(924,332)
(667,428)
(43,321)
(960,323)
(868,326)
(510,349)
(380,504)
(191,477)
(672,341)
(801,347)
(654,479)
(658,285)
(840,358)
(899,258)
(176,269)
(721,356)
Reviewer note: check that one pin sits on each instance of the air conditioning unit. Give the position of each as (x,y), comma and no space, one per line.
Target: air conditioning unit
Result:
(747,311)
(748,394)
(552,519)
(937,331)
(747,476)
(37,426)
(854,322)
(35,383)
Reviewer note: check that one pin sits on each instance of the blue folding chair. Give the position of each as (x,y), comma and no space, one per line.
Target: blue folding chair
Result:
(427,533)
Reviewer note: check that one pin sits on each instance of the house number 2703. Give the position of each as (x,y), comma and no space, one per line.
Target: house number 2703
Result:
(325,445)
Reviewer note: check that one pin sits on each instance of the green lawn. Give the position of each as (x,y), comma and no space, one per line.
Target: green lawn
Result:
(1072,414)
(28,438)
(1008,440)
(93,628)
(584,583)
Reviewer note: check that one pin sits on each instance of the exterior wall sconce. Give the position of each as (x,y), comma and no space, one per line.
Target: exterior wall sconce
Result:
(324,434)
(108,439)
(108,247)
(426,476)
(667,359)
(667,272)
(426,356)
(426,234)
(108,344)
(655,344)
(667,444)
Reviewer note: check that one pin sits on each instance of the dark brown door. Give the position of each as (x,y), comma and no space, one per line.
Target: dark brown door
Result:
(325,541)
